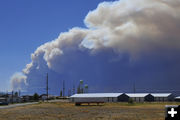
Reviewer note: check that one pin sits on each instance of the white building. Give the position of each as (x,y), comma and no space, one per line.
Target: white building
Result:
(140,97)
(14,99)
(162,97)
(120,97)
(95,97)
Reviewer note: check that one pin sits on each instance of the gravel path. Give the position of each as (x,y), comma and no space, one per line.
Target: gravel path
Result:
(16,105)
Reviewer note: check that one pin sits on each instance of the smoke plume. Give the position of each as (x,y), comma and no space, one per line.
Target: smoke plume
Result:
(18,81)
(125,41)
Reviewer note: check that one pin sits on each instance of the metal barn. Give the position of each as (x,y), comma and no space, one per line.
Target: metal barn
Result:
(140,97)
(95,97)
(160,97)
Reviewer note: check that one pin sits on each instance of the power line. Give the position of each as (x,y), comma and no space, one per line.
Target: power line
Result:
(12,96)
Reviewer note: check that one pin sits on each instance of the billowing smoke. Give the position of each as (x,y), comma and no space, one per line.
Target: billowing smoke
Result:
(125,41)
(18,81)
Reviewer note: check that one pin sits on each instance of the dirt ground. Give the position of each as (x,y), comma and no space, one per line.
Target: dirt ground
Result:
(67,111)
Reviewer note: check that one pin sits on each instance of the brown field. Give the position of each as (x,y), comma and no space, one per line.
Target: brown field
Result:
(67,111)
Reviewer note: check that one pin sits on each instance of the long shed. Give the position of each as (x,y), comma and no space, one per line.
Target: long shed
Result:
(160,97)
(140,97)
(95,97)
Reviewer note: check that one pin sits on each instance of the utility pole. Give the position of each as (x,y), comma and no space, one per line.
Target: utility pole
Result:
(73,90)
(47,87)
(12,96)
(63,88)
(19,92)
(134,87)
(69,92)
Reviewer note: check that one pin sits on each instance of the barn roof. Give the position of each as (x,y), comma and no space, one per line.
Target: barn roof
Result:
(137,94)
(160,94)
(177,97)
(97,95)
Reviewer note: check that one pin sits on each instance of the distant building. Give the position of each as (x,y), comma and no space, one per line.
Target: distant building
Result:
(95,97)
(44,97)
(140,97)
(122,97)
(2,99)
(162,97)
(27,98)
(14,99)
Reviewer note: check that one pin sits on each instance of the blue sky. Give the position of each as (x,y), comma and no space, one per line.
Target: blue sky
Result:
(26,24)
(130,42)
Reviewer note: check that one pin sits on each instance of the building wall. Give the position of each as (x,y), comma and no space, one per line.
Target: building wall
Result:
(91,99)
(149,98)
(123,98)
(138,99)
(177,100)
(15,100)
(171,97)
(111,99)
(160,99)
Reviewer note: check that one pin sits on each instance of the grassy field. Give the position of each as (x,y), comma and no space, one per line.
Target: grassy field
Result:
(67,111)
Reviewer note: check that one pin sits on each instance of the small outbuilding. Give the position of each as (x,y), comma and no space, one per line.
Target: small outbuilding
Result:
(140,97)
(161,97)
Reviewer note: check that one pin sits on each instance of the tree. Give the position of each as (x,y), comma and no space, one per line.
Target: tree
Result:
(36,97)
(16,94)
(69,92)
(131,101)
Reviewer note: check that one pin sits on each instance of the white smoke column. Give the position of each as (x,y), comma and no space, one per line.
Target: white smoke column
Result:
(127,26)
(52,51)
(134,27)
(18,81)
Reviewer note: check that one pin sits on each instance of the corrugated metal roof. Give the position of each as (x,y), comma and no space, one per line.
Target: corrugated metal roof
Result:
(97,95)
(160,94)
(118,94)
(177,97)
(137,94)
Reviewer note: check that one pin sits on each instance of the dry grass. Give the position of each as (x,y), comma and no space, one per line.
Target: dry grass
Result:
(67,111)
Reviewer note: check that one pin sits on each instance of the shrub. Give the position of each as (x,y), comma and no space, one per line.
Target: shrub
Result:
(130,101)
(35,97)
